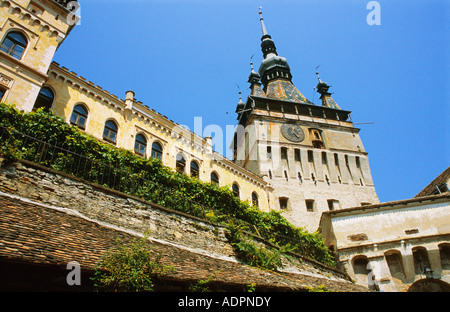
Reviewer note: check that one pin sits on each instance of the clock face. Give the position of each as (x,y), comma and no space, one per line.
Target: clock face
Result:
(292,132)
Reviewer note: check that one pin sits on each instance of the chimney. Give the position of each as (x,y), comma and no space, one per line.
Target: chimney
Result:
(208,145)
(129,99)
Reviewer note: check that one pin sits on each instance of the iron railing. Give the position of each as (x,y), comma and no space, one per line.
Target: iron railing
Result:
(60,156)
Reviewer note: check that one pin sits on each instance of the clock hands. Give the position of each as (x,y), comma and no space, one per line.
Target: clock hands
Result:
(294,132)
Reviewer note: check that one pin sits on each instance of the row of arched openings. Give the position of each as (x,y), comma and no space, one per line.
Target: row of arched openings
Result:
(394,261)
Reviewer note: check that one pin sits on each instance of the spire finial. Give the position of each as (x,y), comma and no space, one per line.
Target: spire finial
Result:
(263,27)
(318,77)
(317,73)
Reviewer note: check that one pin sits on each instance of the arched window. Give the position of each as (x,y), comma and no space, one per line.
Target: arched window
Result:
(395,263)
(14,44)
(110,132)
(235,188)
(157,150)
(181,163)
(361,269)
(44,99)
(140,145)
(214,178)
(444,253)
(79,116)
(421,261)
(255,199)
(194,169)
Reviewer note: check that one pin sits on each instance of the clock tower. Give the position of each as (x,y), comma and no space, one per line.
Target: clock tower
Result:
(311,155)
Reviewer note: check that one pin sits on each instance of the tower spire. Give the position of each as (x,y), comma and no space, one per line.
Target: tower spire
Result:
(267,44)
(263,26)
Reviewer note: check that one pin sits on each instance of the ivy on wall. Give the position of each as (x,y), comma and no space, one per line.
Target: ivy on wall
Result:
(82,155)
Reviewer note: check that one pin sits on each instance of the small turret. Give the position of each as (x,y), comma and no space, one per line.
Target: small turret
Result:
(325,96)
(255,83)
(240,106)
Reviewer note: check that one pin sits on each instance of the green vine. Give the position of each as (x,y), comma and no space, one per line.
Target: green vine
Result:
(252,253)
(150,180)
(129,267)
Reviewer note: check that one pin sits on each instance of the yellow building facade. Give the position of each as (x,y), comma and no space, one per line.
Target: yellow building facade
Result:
(31,32)
(147,133)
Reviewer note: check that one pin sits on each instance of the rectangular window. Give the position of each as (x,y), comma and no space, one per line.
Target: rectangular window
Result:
(336,159)
(284,153)
(269,152)
(324,158)
(310,203)
(297,155)
(284,203)
(333,204)
(310,156)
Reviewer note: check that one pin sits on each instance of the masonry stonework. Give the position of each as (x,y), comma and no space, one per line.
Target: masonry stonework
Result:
(119,212)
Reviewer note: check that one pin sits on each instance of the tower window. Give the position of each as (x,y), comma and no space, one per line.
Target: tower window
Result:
(79,116)
(235,189)
(270,174)
(286,175)
(140,145)
(324,158)
(284,153)
(310,203)
(44,99)
(310,156)
(180,164)
(316,138)
(269,152)
(110,131)
(297,155)
(195,170)
(157,150)
(214,178)
(333,204)
(14,44)
(284,201)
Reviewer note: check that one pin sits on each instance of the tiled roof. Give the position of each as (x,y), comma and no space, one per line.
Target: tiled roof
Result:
(284,90)
(440,181)
(36,233)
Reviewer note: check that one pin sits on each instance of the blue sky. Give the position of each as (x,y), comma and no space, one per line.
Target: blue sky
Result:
(186,59)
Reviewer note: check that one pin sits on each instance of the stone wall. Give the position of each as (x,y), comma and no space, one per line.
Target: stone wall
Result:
(132,215)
